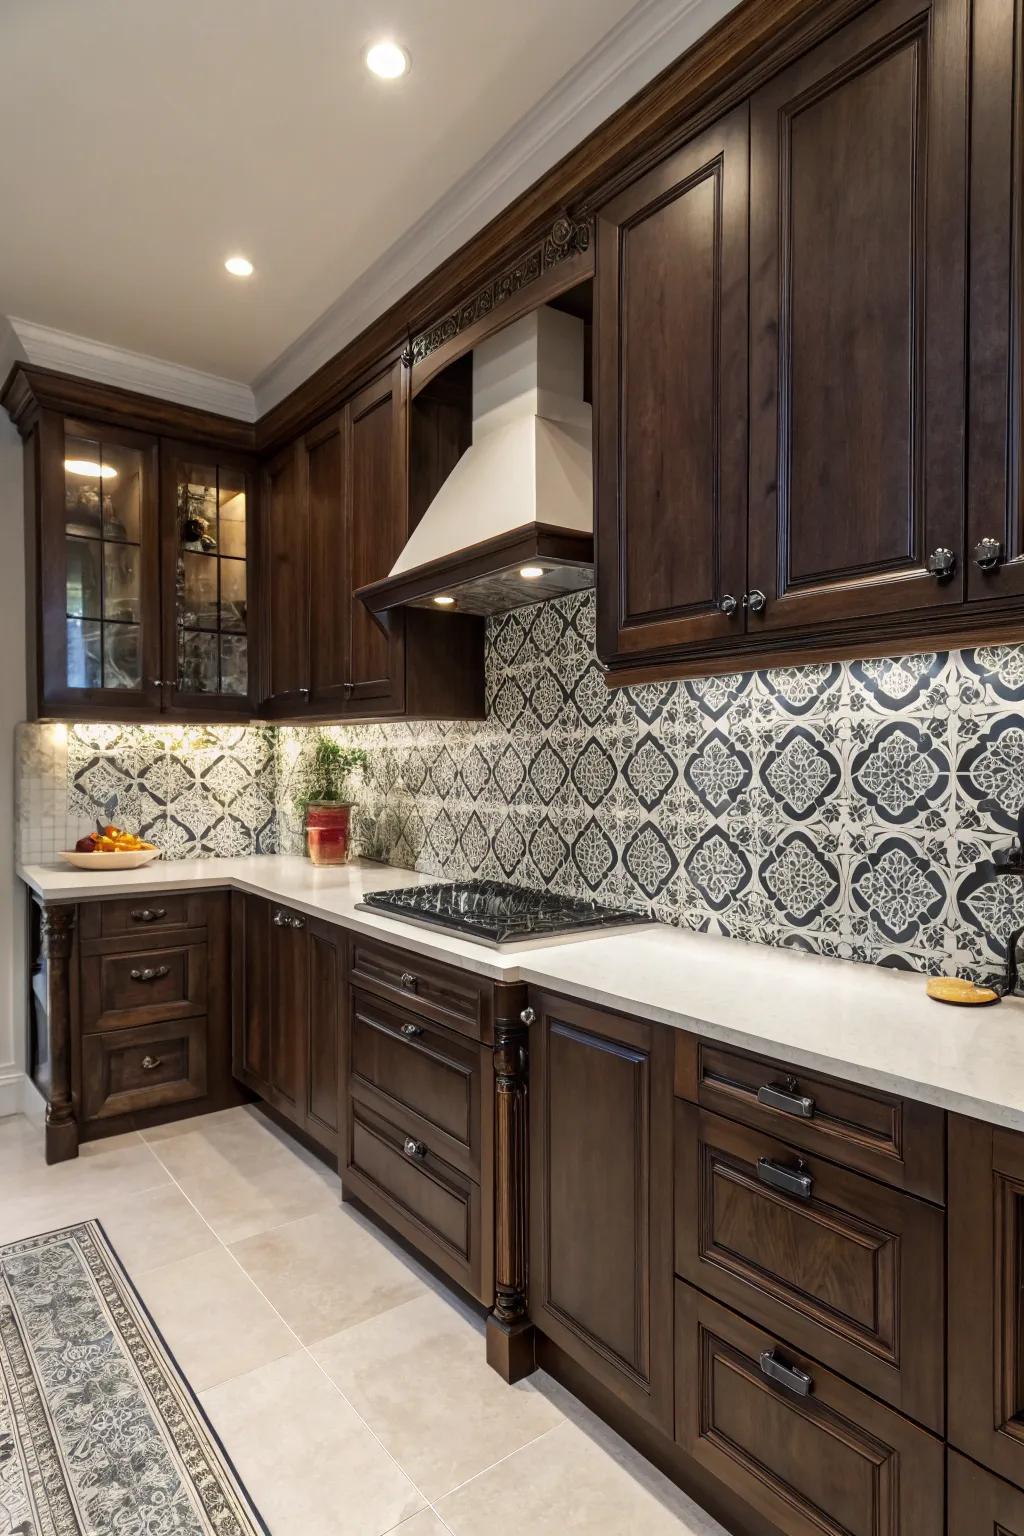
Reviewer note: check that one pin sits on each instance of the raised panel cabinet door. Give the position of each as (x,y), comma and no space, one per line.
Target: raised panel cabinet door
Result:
(208,536)
(250,991)
(986,1295)
(378,521)
(671,434)
(327,993)
(97,630)
(601,1197)
(286,582)
(980,1504)
(857,265)
(327,463)
(995,509)
(289,1012)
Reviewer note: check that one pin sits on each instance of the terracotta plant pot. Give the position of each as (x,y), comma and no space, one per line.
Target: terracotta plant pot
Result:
(327,831)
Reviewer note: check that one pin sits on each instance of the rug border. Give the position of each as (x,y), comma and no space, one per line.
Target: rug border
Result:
(190,1391)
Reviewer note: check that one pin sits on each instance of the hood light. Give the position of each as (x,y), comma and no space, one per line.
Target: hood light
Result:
(531,572)
(387,60)
(239,266)
(91,468)
(444,601)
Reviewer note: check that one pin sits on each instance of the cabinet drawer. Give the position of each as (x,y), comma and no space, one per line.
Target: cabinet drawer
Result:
(427,1076)
(831,1463)
(439,992)
(145,916)
(432,1204)
(845,1268)
(896,1140)
(123,989)
(143,1068)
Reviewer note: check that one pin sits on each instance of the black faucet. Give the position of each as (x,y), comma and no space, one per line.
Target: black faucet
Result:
(1010,861)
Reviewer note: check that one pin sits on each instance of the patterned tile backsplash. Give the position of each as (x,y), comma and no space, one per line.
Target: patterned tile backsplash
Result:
(838,808)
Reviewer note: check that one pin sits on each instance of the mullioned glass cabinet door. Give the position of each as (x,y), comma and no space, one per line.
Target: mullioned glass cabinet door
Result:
(99,625)
(207,514)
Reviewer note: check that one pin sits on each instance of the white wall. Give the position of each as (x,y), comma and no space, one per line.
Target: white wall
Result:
(13,981)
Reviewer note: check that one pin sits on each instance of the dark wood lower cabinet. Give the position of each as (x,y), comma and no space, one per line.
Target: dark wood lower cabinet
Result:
(980,1504)
(601,1197)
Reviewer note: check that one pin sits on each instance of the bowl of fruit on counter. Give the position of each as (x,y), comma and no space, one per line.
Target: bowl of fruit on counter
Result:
(111,848)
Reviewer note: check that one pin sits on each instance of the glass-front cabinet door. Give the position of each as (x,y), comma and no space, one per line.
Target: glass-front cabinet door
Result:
(100,565)
(207,530)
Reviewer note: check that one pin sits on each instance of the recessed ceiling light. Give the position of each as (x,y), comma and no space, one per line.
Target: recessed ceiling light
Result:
(444,601)
(387,60)
(91,468)
(531,572)
(239,266)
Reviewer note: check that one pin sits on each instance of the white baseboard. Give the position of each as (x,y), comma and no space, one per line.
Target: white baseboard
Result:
(20,1096)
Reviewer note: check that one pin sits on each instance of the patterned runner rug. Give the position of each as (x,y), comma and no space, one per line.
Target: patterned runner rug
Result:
(100,1434)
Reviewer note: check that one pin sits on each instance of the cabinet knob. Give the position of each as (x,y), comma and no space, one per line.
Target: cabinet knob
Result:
(789,1376)
(988,554)
(728,605)
(348,688)
(147,914)
(304,693)
(755,601)
(156,682)
(296,922)
(528,1017)
(409,981)
(411,1031)
(150,973)
(414,1148)
(150,1063)
(941,563)
(279,919)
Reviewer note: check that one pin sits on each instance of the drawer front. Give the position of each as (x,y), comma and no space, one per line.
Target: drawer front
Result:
(432,1204)
(417,1069)
(896,1140)
(123,989)
(143,1068)
(845,1268)
(439,992)
(981,1504)
(832,1462)
(145,916)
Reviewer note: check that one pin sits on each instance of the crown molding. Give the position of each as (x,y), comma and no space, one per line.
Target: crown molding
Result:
(644,43)
(44,347)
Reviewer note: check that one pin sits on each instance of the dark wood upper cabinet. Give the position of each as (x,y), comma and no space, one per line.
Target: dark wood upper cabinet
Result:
(601,1197)
(286,612)
(671,369)
(857,262)
(327,463)
(208,530)
(995,510)
(377,523)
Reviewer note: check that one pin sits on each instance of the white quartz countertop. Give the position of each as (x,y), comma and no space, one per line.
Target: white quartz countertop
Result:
(865,1023)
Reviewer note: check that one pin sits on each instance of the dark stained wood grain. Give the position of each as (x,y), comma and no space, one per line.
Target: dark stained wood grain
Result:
(285,585)
(852,1275)
(834,1463)
(250,997)
(671,417)
(327,465)
(143,1068)
(600,1197)
(326,962)
(980,1504)
(127,987)
(446,994)
(289,1015)
(857,320)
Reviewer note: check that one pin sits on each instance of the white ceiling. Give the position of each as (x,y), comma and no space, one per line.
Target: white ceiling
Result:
(146,140)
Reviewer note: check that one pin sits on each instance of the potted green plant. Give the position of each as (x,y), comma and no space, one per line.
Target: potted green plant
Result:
(326,802)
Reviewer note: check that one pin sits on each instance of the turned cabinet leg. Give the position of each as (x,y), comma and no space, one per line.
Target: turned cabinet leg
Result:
(510,1338)
(57,934)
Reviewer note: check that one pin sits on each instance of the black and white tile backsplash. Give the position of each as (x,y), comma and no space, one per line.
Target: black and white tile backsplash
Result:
(839,808)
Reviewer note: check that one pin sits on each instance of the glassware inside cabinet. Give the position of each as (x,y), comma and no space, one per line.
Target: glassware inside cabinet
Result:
(103,495)
(211,580)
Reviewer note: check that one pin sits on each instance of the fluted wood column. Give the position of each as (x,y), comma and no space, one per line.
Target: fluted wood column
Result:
(510,1342)
(57,937)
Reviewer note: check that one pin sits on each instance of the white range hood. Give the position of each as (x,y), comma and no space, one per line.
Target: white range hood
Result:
(521,496)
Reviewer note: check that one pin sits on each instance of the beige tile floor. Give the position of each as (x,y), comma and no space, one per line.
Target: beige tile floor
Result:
(348,1385)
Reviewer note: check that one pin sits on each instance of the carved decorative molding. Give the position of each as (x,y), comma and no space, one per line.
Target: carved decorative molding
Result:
(56,938)
(566,237)
(510,1139)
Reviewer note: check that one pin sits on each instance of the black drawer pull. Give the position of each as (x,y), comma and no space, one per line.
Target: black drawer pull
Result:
(151,973)
(786,1096)
(409,981)
(789,1376)
(150,1063)
(792,1181)
(410,1031)
(147,914)
(414,1148)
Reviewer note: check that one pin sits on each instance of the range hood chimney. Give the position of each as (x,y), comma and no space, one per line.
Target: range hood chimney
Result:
(513,522)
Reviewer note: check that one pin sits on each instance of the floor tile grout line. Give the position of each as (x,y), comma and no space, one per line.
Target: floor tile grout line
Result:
(508,1457)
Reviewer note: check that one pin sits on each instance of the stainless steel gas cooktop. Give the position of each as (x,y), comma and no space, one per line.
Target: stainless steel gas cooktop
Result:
(489,912)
